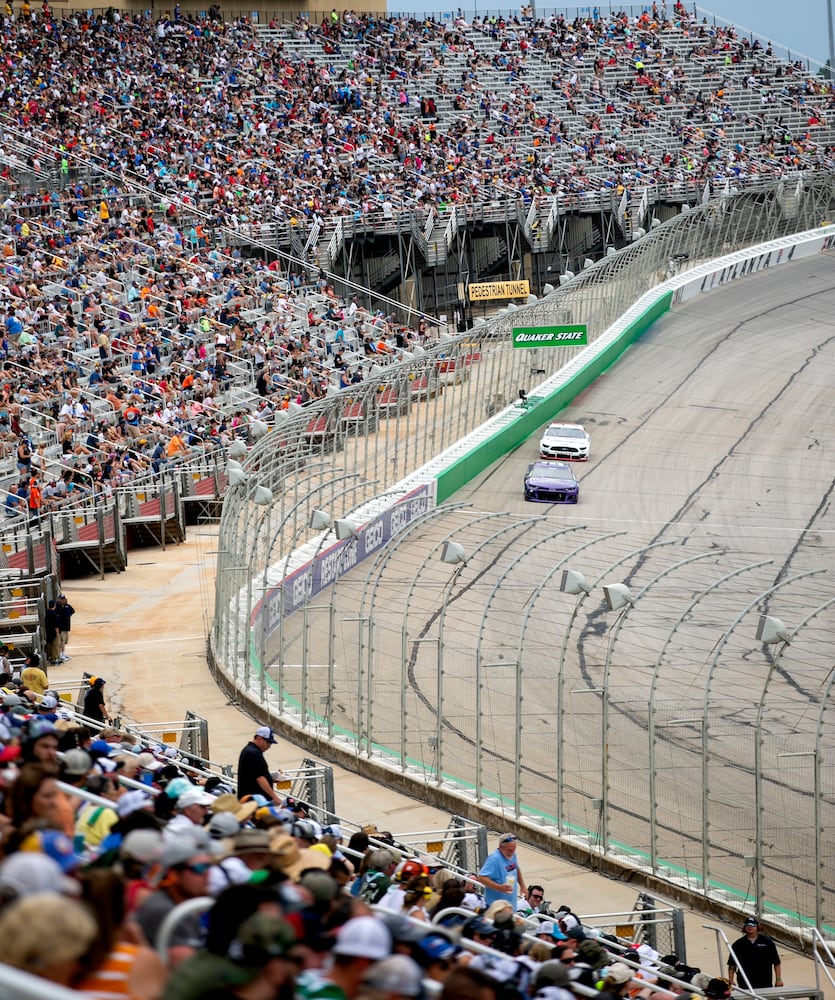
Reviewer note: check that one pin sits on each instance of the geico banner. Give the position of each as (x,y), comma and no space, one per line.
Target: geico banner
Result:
(484,290)
(339,558)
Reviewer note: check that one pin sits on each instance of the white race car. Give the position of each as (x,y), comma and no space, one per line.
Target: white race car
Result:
(565,441)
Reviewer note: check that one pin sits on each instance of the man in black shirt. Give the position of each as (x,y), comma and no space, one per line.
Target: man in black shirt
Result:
(253,774)
(757,955)
(51,630)
(94,707)
(65,611)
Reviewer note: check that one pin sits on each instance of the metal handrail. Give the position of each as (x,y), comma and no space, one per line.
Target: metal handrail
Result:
(24,986)
(820,945)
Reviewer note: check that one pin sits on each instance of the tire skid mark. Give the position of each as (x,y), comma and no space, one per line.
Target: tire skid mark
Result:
(594,622)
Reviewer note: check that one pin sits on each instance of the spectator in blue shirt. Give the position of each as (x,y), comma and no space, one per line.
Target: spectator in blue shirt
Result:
(501,875)
(14,327)
(15,504)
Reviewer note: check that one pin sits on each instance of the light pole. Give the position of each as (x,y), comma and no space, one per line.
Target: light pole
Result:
(453,553)
(816,806)
(316,470)
(520,559)
(344,530)
(582,590)
(261,496)
(574,584)
(381,560)
(317,521)
(699,722)
(772,632)
(619,598)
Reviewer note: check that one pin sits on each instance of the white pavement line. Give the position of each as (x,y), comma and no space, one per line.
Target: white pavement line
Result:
(139,642)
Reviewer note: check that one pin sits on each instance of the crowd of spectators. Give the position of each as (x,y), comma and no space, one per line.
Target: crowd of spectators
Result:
(362,114)
(124,355)
(293,908)
(133,337)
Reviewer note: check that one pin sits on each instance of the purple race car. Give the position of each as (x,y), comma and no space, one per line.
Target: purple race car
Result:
(551,482)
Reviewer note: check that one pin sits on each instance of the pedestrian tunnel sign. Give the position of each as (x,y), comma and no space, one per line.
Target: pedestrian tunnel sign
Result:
(550,336)
(485,290)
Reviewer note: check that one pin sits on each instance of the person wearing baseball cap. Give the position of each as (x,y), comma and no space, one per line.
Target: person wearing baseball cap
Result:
(360,942)
(256,960)
(192,807)
(616,982)
(550,932)
(254,776)
(718,989)
(435,953)
(182,873)
(755,957)
(501,875)
(392,977)
(94,706)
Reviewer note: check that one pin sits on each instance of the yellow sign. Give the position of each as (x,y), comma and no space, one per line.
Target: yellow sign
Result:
(484,290)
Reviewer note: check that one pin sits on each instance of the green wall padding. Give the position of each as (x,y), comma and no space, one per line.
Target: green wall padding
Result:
(542,410)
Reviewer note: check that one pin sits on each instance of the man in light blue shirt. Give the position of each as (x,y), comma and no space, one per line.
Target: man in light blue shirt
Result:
(501,875)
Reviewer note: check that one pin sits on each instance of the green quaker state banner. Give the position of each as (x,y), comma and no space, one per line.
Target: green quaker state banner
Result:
(550,336)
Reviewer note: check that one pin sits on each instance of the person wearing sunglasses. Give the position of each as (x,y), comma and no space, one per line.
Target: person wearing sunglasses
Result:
(565,952)
(183,874)
(531,902)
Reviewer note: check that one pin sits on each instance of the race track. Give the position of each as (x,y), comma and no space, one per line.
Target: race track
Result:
(709,484)
(717,424)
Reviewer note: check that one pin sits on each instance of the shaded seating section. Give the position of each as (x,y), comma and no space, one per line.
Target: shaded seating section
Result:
(22,606)
(202,486)
(92,538)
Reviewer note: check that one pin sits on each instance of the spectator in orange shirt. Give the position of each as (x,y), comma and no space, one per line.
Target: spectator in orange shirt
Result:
(35,498)
(176,447)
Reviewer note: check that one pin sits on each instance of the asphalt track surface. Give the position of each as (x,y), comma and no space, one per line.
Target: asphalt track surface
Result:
(716,429)
(714,433)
